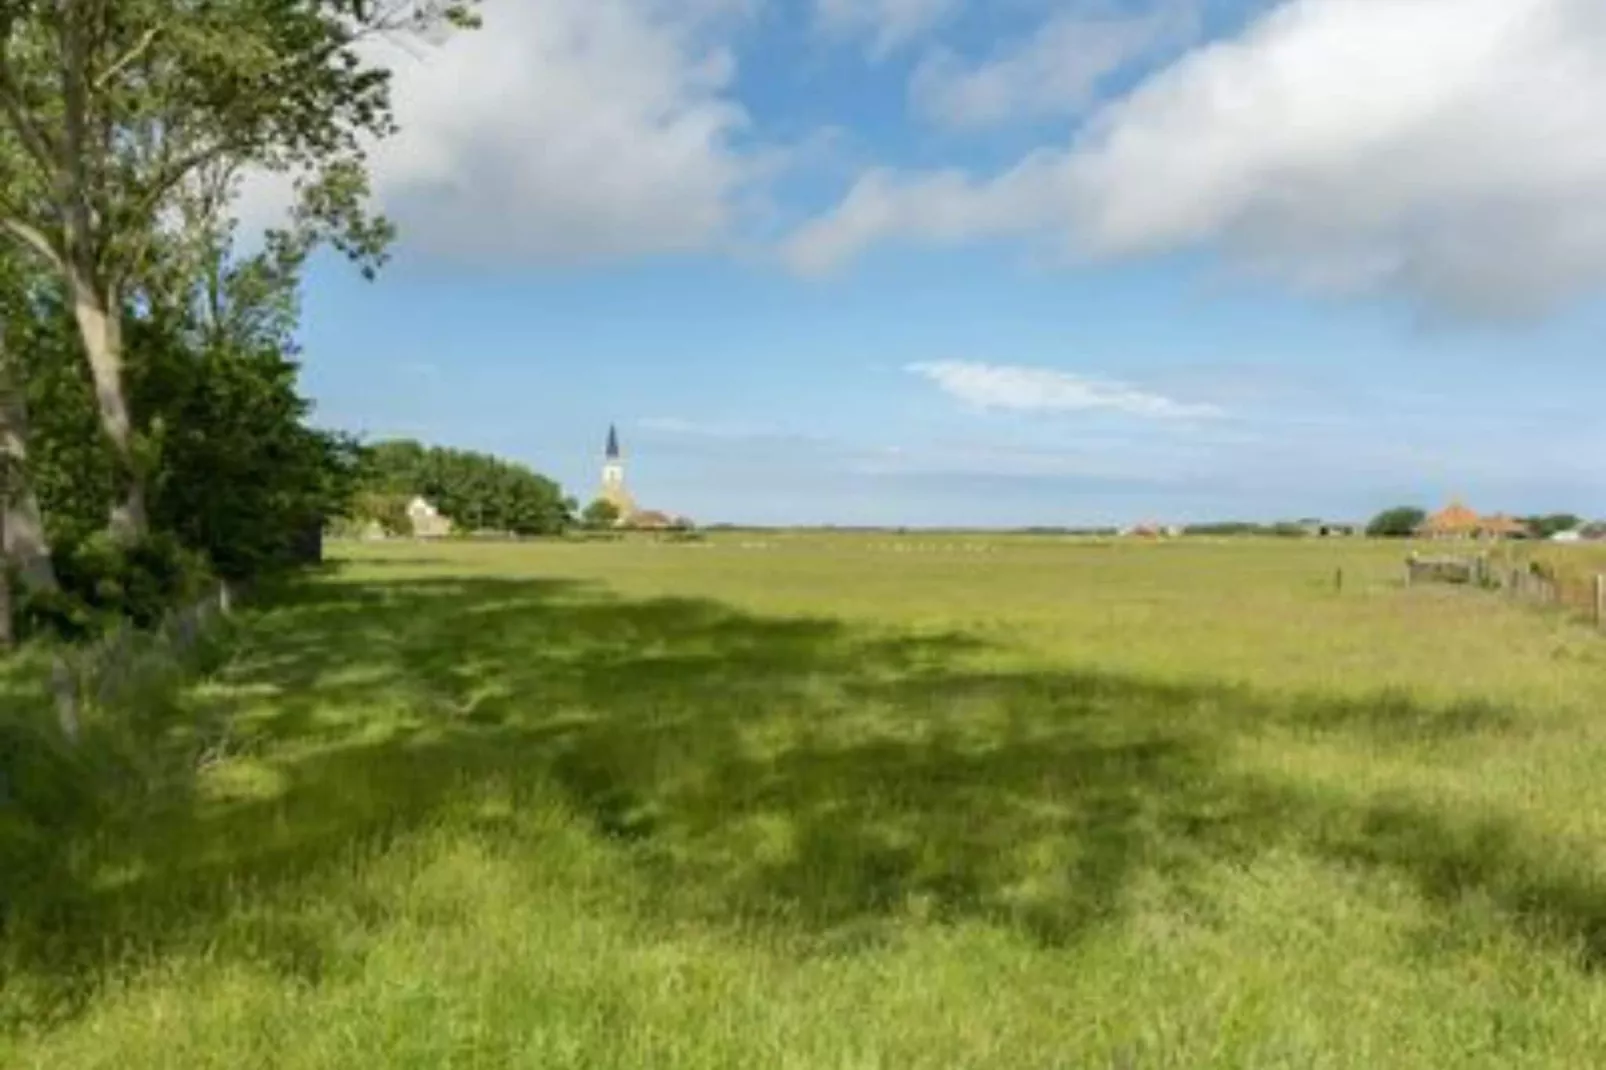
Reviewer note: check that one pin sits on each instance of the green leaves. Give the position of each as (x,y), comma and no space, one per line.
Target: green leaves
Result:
(1397,523)
(477,491)
(117,116)
(125,126)
(600,514)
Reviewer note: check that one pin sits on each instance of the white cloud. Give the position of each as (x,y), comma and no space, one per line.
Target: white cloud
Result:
(889,24)
(946,207)
(1449,151)
(1003,386)
(564,130)
(1054,72)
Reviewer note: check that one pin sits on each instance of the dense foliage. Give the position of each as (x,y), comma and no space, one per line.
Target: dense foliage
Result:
(600,514)
(123,124)
(147,369)
(235,475)
(1282,529)
(476,491)
(1544,527)
(1397,523)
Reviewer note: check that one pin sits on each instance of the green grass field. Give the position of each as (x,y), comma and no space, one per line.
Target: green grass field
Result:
(834,802)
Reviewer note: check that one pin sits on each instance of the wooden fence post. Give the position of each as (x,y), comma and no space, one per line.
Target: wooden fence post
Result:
(65,690)
(1600,600)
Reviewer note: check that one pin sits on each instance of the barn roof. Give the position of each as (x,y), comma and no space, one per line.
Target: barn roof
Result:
(1454,518)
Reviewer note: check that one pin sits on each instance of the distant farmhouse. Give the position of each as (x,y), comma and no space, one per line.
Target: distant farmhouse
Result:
(1150,530)
(618,495)
(1457,521)
(426,520)
(1590,532)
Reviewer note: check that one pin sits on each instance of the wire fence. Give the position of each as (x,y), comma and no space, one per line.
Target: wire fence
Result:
(102,672)
(1581,592)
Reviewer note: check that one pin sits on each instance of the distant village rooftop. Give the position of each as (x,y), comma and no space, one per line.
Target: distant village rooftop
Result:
(1458,521)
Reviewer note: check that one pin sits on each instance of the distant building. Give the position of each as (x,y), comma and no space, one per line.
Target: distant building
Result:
(613,477)
(651,520)
(616,493)
(1152,531)
(1504,526)
(1457,521)
(427,521)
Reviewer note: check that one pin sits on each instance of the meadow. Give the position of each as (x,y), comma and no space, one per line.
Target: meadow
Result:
(828,801)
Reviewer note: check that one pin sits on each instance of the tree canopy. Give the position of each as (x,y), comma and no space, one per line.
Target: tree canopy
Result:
(1396,523)
(1543,527)
(152,430)
(600,514)
(477,491)
(119,117)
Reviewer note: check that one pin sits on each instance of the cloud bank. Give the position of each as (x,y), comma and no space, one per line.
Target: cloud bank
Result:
(887,24)
(563,131)
(1054,72)
(1449,151)
(1021,389)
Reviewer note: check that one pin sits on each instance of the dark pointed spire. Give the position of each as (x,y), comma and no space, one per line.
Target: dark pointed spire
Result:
(613,443)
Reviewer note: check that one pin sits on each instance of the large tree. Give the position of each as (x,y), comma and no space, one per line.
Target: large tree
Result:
(476,490)
(1543,527)
(23,543)
(236,474)
(108,108)
(600,515)
(1397,523)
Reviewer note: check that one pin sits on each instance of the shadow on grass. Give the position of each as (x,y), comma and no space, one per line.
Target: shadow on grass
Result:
(804,777)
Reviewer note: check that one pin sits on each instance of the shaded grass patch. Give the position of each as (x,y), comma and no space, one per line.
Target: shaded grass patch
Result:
(476,818)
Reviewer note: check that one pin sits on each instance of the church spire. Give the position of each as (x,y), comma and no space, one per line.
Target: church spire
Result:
(613,476)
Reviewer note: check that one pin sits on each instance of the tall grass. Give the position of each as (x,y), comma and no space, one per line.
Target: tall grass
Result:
(825,802)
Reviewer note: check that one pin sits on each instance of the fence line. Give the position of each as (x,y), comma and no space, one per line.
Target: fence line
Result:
(1530,581)
(101,672)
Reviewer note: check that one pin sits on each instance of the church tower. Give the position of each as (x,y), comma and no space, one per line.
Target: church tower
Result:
(613,476)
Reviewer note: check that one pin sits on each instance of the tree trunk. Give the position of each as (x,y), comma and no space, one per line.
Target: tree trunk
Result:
(26,544)
(23,545)
(99,316)
(22,525)
(8,628)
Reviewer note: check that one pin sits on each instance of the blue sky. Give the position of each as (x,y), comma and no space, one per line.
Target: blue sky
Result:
(1015,262)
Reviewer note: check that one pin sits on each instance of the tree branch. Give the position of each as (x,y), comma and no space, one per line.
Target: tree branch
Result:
(80,232)
(33,238)
(129,58)
(33,138)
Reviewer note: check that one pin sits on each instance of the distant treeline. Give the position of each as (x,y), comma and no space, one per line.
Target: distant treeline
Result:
(477,491)
(1401,521)
(863,529)
(1286,529)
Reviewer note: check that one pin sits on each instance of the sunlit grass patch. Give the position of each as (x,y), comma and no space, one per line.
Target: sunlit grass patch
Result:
(624,805)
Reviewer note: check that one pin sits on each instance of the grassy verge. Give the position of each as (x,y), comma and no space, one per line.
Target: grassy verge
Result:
(827,802)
